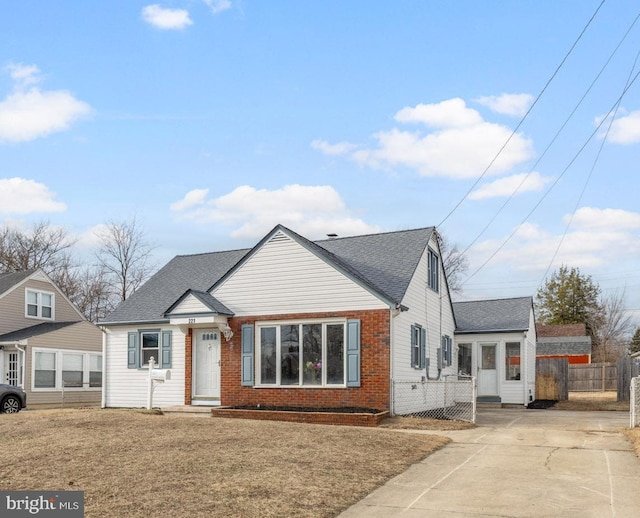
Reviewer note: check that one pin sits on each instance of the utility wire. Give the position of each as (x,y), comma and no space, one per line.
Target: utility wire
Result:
(593,166)
(486,170)
(578,153)
(555,137)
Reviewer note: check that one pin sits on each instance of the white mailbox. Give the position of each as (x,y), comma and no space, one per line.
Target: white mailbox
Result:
(160,375)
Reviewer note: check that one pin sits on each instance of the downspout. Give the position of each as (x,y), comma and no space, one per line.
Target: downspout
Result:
(426,318)
(103,399)
(391,354)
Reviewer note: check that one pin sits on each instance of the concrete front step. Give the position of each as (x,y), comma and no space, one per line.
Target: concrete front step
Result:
(188,410)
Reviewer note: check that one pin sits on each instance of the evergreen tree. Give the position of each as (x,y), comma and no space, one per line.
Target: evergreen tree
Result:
(634,345)
(569,297)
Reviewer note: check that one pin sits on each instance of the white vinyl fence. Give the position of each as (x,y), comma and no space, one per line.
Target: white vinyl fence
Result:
(453,397)
(634,402)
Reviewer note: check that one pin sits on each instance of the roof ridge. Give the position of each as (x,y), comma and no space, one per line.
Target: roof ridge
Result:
(370,234)
(493,300)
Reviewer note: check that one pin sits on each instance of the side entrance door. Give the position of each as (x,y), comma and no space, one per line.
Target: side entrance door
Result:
(487,371)
(207,364)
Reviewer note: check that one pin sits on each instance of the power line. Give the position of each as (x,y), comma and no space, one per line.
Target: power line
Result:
(544,88)
(555,137)
(578,153)
(593,166)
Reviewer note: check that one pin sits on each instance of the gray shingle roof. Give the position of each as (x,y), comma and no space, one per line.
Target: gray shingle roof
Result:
(207,299)
(38,329)
(499,315)
(563,345)
(9,280)
(385,262)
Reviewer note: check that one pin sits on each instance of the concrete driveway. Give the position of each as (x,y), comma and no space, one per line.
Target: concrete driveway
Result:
(517,462)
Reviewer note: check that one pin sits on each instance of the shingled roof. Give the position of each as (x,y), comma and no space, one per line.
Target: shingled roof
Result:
(493,316)
(38,329)
(385,262)
(9,280)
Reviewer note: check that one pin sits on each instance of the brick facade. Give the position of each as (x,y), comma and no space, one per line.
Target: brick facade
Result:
(374,387)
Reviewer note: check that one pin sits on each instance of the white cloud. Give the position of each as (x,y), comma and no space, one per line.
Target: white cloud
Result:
(23,75)
(312,211)
(591,218)
(461,144)
(507,104)
(624,130)
(597,237)
(452,113)
(217,6)
(341,148)
(165,18)
(30,113)
(190,200)
(22,196)
(92,237)
(507,186)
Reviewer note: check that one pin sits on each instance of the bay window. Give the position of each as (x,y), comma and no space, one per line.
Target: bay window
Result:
(301,354)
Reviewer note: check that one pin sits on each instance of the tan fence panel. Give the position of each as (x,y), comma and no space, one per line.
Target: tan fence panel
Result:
(552,379)
(593,377)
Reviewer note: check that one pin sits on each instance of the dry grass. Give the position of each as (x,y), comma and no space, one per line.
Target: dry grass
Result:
(424,423)
(634,436)
(131,463)
(592,401)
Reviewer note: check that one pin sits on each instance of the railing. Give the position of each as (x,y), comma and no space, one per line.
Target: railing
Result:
(453,397)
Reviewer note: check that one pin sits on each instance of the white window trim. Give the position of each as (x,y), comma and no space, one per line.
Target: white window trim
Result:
(506,368)
(277,324)
(39,294)
(86,366)
(158,348)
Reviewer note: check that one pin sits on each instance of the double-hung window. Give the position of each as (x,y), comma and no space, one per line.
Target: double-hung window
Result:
(39,304)
(447,351)
(145,344)
(418,347)
(301,354)
(433,273)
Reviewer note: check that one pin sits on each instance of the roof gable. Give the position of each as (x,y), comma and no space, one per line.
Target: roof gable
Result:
(194,301)
(498,315)
(383,264)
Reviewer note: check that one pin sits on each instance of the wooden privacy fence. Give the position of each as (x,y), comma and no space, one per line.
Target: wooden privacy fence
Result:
(552,375)
(628,368)
(593,377)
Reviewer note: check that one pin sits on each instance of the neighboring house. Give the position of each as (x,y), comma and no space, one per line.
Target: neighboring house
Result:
(289,322)
(564,341)
(496,341)
(46,345)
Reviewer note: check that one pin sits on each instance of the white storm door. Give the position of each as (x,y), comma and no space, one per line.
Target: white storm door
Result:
(11,368)
(207,363)
(487,371)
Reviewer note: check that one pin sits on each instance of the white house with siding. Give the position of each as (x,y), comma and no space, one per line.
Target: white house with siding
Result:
(289,322)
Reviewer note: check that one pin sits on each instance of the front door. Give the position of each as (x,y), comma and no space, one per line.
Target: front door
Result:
(487,372)
(207,364)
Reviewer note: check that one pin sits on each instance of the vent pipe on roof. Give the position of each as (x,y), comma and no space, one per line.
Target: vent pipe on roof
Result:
(332,236)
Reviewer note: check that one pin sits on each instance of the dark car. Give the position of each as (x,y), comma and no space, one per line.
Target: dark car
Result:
(12,399)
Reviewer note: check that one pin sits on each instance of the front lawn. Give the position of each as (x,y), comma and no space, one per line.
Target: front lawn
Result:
(131,463)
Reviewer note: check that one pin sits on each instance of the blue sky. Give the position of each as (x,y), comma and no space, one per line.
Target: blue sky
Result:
(210,121)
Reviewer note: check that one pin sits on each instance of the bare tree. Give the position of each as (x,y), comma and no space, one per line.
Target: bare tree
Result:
(612,327)
(455,264)
(124,256)
(42,246)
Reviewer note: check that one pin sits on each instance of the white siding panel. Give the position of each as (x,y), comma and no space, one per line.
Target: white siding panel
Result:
(430,309)
(284,277)
(128,387)
(190,305)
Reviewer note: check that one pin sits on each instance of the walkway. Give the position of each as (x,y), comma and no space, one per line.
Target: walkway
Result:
(520,463)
